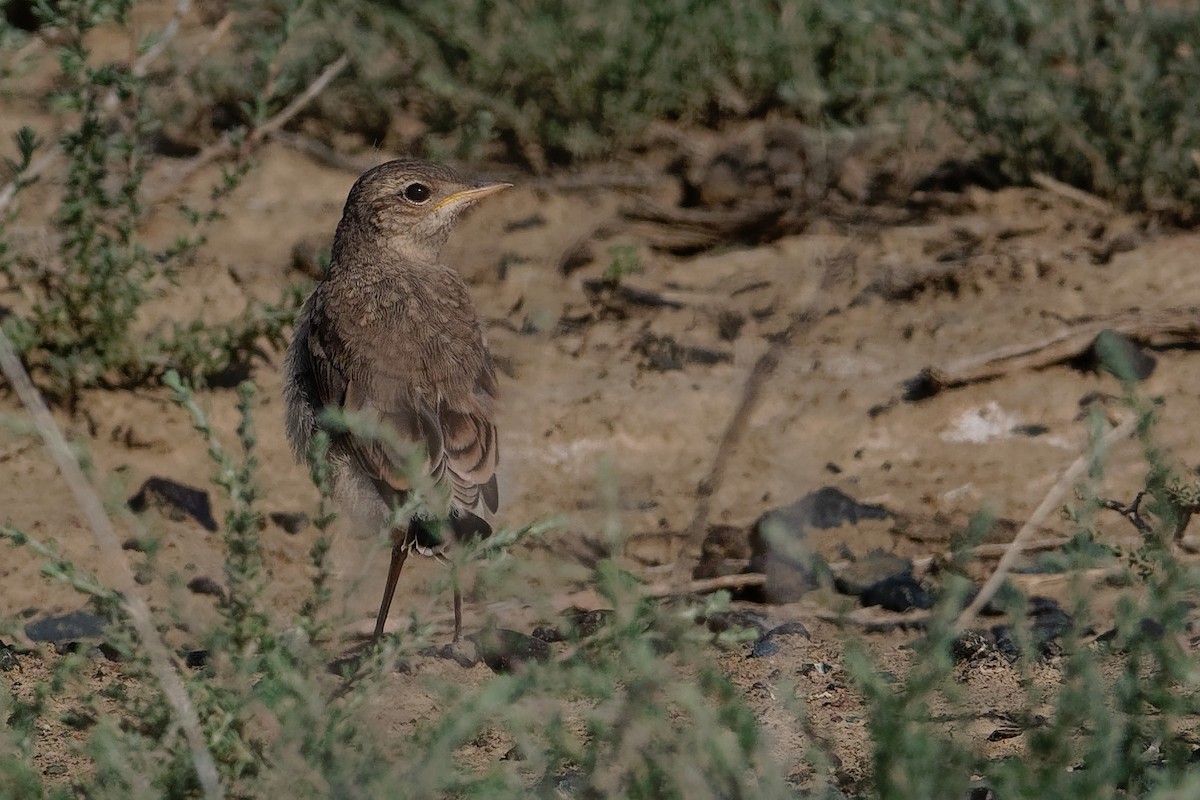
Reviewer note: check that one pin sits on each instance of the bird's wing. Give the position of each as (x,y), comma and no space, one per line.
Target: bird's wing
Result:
(459,435)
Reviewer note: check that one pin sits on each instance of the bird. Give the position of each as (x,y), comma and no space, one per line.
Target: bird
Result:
(391,336)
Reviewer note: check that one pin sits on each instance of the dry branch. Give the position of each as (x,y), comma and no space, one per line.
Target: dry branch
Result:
(110,547)
(1049,503)
(226,145)
(1176,325)
(1089,201)
(692,229)
(139,69)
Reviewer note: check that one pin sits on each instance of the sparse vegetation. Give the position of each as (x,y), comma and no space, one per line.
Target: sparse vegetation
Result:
(1103,95)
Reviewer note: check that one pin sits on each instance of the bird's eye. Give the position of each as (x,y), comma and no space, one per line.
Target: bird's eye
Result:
(417,193)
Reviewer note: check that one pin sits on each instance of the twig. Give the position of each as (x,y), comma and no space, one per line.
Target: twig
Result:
(324,154)
(1079,196)
(139,68)
(1049,503)
(1132,512)
(225,144)
(702,585)
(1179,324)
(110,547)
(738,423)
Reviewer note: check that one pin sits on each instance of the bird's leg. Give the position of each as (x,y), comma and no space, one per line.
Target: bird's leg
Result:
(457,613)
(399,555)
(457,602)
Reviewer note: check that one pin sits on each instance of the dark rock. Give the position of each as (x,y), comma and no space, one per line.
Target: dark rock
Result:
(778,547)
(67,628)
(897,593)
(78,719)
(1048,623)
(764,647)
(815,668)
(729,324)
(723,544)
(790,629)
(578,622)
(292,522)
(722,621)
(176,499)
(196,658)
(450,651)
(8,657)
(1118,355)
(767,644)
(865,572)
(111,651)
(972,646)
(202,584)
(1031,431)
(505,650)
(1049,619)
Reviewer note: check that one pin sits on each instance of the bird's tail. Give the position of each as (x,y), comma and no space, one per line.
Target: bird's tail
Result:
(431,535)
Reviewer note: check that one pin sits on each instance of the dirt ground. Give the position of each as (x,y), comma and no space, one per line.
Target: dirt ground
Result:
(581,406)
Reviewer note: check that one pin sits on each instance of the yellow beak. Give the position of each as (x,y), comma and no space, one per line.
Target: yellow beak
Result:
(472,195)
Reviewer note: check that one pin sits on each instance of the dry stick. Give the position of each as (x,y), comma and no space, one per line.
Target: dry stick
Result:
(701,585)
(225,145)
(1043,181)
(139,68)
(751,393)
(1049,503)
(110,547)
(736,429)
(1176,324)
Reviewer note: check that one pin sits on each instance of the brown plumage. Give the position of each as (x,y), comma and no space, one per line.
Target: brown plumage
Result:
(390,335)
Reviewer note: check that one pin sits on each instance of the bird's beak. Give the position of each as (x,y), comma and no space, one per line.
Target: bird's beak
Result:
(468,196)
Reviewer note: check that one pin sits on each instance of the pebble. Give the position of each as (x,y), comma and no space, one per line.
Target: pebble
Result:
(897,593)
(178,500)
(505,650)
(292,522)
(66,628)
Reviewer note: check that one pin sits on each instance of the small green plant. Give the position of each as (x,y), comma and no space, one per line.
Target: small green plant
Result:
(74,322)
(625,261)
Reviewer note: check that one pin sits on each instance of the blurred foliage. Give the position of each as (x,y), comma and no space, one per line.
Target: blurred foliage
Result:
(1103,95)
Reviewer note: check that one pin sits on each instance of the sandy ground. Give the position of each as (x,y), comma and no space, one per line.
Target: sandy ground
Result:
(581,407)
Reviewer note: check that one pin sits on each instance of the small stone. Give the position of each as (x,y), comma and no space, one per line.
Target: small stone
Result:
(1118,355)
(897,593)
(505,650)
(579,622)
(66,628)
(729,324)
(764,647)
(790,629)
(55,769)
(777,541)
(865,572)
(176,499)
(8,658)
(202,584)
(292,522)
(196,658)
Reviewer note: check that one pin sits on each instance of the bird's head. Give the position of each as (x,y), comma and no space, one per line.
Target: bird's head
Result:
(413,204)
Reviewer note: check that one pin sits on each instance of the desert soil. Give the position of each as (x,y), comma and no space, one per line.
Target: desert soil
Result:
(584,410)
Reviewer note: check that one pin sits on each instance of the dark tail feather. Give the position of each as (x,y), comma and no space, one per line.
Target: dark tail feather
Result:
(430,533)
